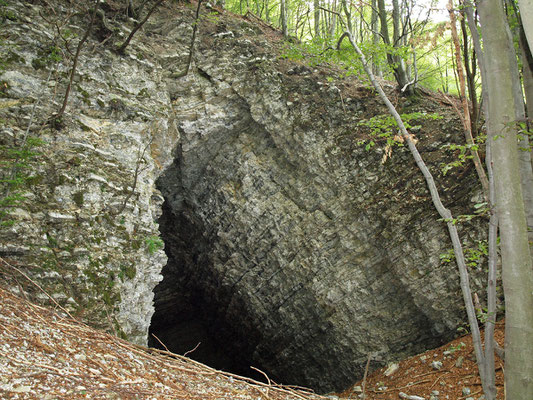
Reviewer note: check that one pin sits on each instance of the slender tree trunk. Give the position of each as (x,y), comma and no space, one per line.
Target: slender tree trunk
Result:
(375,35)
(267,11)
(470,70)
(347,11)
(316,6)
(333,22)
(443,212)
(467,125)
(517,271)
(400,67)
(283,17)
(472,26)
(526,12)
(524,155)
(489,388)
(527,74)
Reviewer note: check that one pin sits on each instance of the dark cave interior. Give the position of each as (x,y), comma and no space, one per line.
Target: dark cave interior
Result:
(187,319)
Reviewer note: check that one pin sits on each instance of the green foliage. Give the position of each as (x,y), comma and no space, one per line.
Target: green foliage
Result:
(458,347)
(47,57)
(474,256)
(462,153)
(15,176)
(5,13)
(523,131)
(447,257)
(384,127)
(153,243)
(480,209)
(127,271)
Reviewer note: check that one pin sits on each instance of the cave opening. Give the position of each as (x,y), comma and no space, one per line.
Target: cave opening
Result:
(191,310)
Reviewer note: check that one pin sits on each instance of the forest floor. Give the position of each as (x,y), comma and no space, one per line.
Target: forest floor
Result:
(44,355)
(449,370)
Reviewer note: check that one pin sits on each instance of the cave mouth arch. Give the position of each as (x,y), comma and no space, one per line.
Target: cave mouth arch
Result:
(188,320)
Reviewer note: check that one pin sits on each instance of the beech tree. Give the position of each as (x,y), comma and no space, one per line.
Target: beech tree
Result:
(517,270)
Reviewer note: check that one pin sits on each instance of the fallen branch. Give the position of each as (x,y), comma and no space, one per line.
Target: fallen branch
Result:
(267,378)
(402,387)
(365,375)
(37,285)
(190,351)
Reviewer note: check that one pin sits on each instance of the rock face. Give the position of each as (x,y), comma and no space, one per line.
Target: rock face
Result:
(291,246)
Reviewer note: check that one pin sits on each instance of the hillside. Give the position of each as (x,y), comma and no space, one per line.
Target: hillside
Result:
(47,355)
(238,196)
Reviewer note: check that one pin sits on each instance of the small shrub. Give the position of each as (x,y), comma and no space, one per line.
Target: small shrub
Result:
(153,243)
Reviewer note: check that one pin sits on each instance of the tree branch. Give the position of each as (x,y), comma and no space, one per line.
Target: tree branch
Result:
(57,117)
(121,48)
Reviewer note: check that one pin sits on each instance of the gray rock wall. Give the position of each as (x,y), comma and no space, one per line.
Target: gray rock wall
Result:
(291,247)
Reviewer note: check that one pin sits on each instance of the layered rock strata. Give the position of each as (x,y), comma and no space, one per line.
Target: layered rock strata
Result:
(291,245)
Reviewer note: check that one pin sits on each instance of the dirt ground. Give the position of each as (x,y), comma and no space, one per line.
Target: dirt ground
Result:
(456,379)
(44,355)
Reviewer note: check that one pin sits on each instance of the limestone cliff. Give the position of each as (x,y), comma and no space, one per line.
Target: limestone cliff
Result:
(290,245)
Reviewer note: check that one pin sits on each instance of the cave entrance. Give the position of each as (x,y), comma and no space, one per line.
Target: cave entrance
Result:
(188,319)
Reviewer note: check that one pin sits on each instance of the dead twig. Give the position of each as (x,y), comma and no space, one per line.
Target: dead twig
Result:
(402,387)
(160,342)
(37,285)
(190,351)
(363,395)
(438,379)
(267,378)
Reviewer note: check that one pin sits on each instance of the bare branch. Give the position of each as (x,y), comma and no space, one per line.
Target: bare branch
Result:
(57,117)
(194,30)
(121,48)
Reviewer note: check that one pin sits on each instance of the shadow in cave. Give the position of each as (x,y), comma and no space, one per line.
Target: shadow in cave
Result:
(188,318)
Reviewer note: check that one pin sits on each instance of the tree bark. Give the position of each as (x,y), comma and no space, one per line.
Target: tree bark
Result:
(526,12)
(517,271)
(375,35)
(470,70)
(283,17)
(467,125)
(395,62)
(316,6)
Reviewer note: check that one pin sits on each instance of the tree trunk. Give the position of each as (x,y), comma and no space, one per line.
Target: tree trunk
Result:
(445,214)
(526,12)
(316,7)
(517,271)
(400,67)
(283,17)
(375,36)
(333,22)
(526,171)
(470,70)
(396,63)
(467,125)
(527,73)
